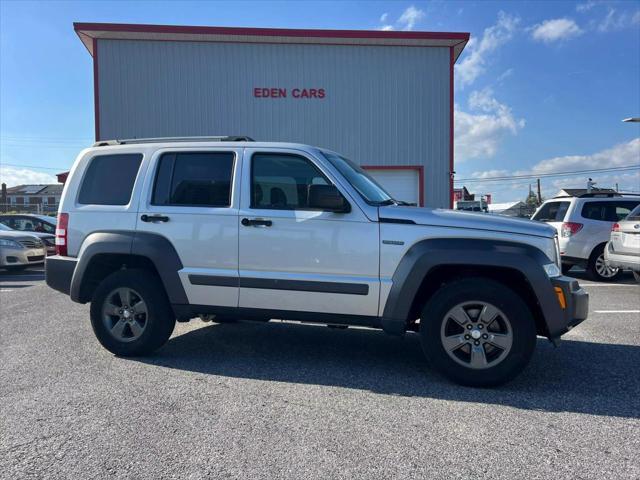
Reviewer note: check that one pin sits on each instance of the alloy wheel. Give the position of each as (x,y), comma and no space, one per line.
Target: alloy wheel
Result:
(604,270)
(125,314)
(476,334)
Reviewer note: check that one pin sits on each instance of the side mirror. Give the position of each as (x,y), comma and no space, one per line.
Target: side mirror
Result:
(327,197)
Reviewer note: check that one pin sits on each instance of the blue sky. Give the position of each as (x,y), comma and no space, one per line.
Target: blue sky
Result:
(542,87)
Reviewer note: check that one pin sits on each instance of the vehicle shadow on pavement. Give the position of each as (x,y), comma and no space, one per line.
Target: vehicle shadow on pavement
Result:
(580,377)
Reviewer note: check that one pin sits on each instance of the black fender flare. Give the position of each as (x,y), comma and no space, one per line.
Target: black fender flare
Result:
(426,255)
(156,248)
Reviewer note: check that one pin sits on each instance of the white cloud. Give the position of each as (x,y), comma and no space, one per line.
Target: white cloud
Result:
(474,64)
(410,17)
(504,75)
(620,155)
(586,6)
(479,132)
(407,20)
(555,30)
(615,20)
(13,176)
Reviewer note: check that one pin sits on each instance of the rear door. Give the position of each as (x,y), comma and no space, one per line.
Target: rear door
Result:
(604,213)
(295,258)
(191,200)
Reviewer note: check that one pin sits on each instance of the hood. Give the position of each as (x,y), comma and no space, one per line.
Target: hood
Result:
(15,235)
(476,221)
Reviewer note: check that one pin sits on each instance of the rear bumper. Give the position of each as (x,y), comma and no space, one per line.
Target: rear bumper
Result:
(576,305)
(59,272)
(620,260)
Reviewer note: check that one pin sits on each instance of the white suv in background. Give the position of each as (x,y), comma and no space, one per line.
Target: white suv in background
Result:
(584,225)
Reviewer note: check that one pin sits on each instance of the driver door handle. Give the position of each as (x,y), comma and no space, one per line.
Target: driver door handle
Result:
(154,218)
(256,222)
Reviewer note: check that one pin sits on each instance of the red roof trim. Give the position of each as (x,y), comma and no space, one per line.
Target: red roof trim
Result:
(267,32)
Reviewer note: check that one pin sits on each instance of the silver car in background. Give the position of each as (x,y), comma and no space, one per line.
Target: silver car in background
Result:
(20,250)
(623,249)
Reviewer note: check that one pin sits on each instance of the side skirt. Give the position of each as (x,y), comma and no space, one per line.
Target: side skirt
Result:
(186,312)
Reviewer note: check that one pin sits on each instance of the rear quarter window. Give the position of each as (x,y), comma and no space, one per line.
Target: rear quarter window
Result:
(109,179)
(552,212)
(608,211)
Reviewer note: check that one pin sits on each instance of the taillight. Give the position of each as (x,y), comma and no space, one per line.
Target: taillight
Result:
(615,227)
(61,234)
(570,228)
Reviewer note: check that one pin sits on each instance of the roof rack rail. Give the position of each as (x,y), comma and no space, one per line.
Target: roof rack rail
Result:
(130,141)
(599,194)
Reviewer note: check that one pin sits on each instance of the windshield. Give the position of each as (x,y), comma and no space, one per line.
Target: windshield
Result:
(5,228)
(370,190)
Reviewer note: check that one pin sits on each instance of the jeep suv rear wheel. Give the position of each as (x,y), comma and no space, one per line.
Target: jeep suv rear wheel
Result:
(130,313)
(477,332)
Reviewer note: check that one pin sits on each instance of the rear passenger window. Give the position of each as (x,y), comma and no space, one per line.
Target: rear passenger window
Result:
(196,179)
(607,211)
(109,179)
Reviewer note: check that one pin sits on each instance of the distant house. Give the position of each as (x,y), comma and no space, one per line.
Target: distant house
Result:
(511,209)
(43,197)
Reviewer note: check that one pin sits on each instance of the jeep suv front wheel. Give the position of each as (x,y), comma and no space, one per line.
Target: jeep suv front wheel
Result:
(477,332)
(130,313)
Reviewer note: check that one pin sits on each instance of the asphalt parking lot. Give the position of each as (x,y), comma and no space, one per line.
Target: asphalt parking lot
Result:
(286,400)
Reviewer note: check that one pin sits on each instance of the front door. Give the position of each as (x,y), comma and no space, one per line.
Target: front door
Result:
(190,199)
(294,258)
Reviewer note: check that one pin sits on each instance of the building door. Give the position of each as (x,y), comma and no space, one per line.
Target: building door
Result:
(296,259)
(402,182)
(190,200)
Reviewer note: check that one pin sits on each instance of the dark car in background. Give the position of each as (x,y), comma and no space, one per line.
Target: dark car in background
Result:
(26,222)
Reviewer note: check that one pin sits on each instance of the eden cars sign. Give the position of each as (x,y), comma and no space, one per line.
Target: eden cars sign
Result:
(276,92)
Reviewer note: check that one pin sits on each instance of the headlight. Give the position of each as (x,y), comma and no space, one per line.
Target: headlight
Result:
(552,270)
(9,243)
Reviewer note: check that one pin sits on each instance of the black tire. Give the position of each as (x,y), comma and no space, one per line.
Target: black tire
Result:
(520,318)
(598,253)
(159,321)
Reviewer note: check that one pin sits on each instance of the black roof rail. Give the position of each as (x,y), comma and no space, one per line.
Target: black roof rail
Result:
(132,141)
(599,194)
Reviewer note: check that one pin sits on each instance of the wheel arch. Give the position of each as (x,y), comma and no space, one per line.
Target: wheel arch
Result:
(104,252)
(429,264)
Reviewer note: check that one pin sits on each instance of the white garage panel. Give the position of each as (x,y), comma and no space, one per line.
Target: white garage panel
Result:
(402,184)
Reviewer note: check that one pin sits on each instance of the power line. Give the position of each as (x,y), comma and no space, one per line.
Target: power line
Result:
(2,164)
(542,175)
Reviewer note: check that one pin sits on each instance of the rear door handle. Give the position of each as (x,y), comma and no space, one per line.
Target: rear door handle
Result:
(256,222)
(154,218)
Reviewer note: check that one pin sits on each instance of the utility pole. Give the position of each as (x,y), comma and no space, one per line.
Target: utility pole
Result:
(539,194)
(617,187)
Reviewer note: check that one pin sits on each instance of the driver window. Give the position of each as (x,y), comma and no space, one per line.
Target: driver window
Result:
(281,181)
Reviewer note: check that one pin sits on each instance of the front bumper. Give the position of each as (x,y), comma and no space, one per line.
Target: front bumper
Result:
(16,257)
(576,304)
(59,272)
